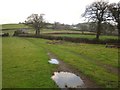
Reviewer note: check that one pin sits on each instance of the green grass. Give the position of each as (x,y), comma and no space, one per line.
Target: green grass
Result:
(78,35)
(12,26)
(25,65)
(59,31)
(102,37)
(94,52)
(97,73)
(15,26)
(89,67)
(25,62)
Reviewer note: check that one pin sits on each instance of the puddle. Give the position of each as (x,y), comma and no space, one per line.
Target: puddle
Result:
(67,80)
(53,61)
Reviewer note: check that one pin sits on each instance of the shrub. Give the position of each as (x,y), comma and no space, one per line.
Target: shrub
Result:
(17,32)
(5,34)
(70,39)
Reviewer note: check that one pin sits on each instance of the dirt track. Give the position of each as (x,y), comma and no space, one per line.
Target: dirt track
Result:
(67,68)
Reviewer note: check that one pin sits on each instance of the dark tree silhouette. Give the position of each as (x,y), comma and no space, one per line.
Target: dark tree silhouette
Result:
(36,21)
(97,12)
(114,9)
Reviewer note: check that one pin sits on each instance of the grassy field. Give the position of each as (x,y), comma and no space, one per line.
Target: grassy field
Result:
(50,31)
(102,37)
(25,62)
(78,35)
(12,26)
(25,65)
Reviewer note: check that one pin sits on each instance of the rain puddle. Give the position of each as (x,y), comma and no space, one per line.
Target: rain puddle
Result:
(53,61)
(67,80)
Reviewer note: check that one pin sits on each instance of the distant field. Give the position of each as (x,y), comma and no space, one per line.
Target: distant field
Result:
(69,34)
(102,37)
(61,33)
(25,62)
(13,26)
(10,28)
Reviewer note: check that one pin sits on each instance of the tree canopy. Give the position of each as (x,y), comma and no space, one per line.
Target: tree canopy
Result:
(114,9)
(97,12)
(36,21)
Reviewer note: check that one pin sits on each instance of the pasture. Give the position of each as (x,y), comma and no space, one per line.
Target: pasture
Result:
(25,65)
(25,62)
(102,37)
(10,28)
(13,26)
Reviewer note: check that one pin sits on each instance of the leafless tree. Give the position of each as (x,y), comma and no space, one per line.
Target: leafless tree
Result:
(97,12)
(36,21)
(114,9)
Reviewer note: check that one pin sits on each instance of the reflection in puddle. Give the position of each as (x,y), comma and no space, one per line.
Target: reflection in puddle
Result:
(67,80)
(53,61)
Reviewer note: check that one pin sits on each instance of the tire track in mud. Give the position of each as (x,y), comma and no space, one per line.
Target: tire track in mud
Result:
(64,67)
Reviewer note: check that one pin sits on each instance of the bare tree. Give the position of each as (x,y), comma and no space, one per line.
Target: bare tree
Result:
(97,12)
(114,9)
(36,21)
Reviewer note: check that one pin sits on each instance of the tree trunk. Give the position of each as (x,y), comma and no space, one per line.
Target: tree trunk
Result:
(98,30)
(37,32)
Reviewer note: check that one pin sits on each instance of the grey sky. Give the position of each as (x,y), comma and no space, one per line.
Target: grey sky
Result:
(64,11)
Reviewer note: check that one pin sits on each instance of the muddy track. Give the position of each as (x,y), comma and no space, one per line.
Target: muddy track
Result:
(67,68)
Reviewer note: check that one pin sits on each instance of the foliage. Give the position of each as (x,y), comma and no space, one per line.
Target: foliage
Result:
(114,9)
(5,34)
(36,21)
(97,12)
(17,32)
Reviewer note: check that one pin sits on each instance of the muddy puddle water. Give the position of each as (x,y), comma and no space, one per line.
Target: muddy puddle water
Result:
(67,80)
(53,61)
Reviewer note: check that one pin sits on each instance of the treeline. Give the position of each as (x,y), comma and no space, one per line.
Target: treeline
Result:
(103,18)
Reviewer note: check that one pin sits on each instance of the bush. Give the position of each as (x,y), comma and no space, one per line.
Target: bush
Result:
(5,34)
(17,32)
(70,39)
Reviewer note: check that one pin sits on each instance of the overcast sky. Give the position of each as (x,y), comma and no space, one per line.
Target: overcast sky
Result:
(64,11)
